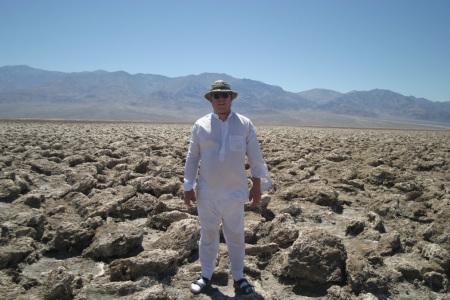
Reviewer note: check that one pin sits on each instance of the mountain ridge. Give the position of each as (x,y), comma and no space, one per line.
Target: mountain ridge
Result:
(27,92)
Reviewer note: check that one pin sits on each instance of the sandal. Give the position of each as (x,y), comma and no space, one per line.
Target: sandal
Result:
(199,285)
(243,286)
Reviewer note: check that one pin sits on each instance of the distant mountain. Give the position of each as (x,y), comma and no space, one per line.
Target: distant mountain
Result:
(383,102)
(16,77)
(320,96)
(38,94)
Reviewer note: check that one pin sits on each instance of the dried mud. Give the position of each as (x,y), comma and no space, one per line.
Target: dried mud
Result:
(93,210)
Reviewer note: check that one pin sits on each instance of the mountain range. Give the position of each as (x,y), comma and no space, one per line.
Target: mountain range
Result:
(29,93)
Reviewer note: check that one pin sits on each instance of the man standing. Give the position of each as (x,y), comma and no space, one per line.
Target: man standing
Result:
(220,142)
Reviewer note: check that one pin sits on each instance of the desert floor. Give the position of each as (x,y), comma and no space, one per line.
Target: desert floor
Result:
(93,210)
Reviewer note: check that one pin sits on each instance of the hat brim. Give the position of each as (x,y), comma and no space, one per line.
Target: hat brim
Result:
(233,93)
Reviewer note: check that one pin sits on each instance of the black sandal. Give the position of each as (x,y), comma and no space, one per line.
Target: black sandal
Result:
(243,286)
(199,285)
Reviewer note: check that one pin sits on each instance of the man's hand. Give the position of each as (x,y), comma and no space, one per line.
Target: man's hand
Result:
(255,191)
(188,197)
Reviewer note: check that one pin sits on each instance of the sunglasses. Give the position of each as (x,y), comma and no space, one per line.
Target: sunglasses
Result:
(221,95)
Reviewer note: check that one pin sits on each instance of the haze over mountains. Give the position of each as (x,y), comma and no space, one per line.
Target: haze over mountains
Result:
(38,94)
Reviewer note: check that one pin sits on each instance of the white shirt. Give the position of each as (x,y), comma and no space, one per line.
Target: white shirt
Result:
(220,148)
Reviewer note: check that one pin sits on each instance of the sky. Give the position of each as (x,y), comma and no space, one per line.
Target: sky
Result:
(298,45)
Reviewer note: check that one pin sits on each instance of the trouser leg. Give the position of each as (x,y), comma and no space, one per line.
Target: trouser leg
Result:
(233,230)
(209,216)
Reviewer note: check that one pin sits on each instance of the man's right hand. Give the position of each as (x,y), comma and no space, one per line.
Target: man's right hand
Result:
(188,197)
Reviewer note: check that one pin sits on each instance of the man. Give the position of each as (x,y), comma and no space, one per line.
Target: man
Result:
(220,141)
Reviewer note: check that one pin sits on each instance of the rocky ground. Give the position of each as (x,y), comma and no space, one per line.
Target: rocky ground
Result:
(92,210)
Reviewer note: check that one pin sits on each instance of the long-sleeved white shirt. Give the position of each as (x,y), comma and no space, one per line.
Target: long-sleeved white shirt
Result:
(220,149)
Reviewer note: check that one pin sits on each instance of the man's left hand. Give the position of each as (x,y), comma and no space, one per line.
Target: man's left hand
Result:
(255,192)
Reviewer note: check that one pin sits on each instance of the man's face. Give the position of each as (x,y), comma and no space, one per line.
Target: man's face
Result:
(221,105)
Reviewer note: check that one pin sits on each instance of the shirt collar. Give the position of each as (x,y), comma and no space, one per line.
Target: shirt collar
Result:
(217,116)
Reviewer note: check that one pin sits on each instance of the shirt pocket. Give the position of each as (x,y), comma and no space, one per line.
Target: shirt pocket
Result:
(237,143)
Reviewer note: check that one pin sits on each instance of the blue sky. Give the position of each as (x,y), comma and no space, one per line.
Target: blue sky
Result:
(343,45)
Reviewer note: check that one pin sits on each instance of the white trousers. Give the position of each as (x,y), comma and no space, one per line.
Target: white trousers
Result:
(231,214)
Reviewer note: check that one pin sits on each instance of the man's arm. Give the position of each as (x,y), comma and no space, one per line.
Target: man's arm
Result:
(258,167)
(191,169)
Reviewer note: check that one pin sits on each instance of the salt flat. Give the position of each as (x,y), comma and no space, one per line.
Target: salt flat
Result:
(93,210)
